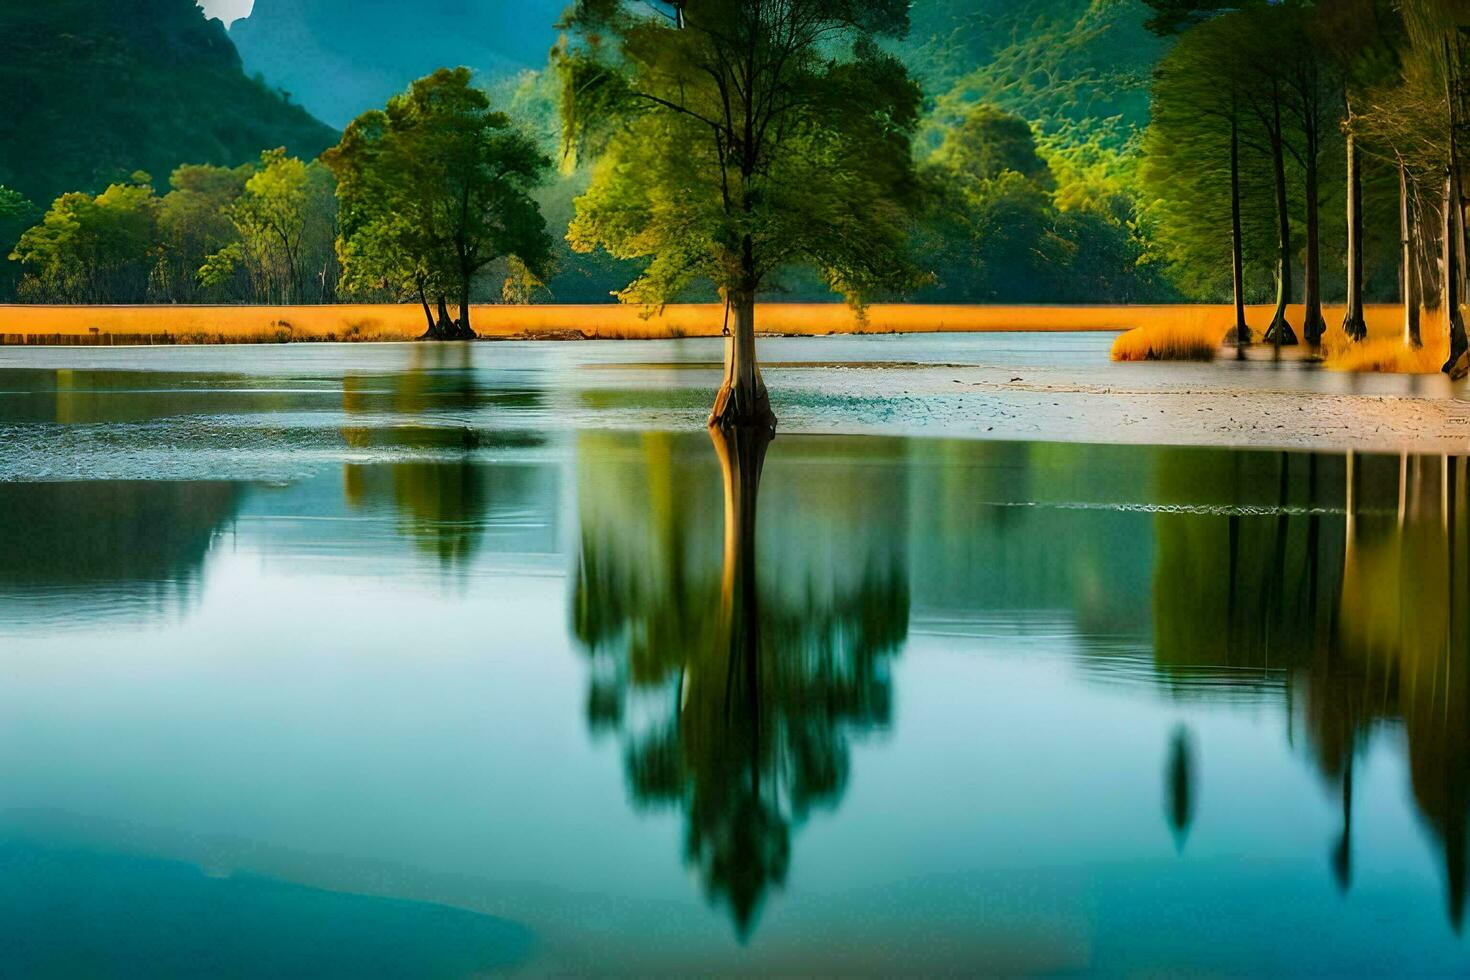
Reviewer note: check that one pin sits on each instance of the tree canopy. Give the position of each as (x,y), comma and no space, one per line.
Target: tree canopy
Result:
(735,140)
(435,189)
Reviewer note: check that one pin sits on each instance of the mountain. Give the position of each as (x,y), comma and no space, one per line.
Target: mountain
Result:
(341,57)
(1052,61)
(95,90)
(1061,64)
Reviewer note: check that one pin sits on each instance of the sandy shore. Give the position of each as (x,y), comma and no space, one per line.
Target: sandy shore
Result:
(107,325)
(293,402)
(1152,408)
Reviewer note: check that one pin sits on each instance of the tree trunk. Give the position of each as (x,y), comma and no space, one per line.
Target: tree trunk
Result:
(1280,332)
(1240,335)
(1353,322)
(464,331)
(444,329)
(742,400)
(1455,365)
(1409,265)
(1426,249)
(428,314)
(1314,325)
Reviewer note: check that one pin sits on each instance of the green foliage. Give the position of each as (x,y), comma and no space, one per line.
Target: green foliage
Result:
(256,233)
(989,141)
(1201,85)
(435,189)
(92,249)
(739,145)
(194,225)
(1001,227)
(1077,66)
(285,221)
(95,89)
(16,214)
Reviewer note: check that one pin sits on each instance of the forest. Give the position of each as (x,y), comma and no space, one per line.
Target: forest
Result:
(1050,151)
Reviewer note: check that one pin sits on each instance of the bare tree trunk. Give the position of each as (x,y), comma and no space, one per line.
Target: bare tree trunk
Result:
(1240,335)
(1455,365)
(1314,325)
(444,329)
(742,399)
(464,331)
(1280,332)
(1353,322)
(1409,266)
(428,313)
(1426,248)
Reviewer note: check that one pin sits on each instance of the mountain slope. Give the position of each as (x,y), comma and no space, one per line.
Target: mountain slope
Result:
(341,57)
(1057,63)
(94,90)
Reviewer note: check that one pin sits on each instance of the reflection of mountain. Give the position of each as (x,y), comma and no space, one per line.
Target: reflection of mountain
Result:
(734,685)
(79,550)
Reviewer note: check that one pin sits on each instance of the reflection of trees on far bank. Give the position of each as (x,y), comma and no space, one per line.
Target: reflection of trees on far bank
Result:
(734,682)
(1216,575)
(1352,595)
(428,421)
(79,551)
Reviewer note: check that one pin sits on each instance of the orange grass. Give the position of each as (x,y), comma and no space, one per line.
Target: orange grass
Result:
(1168,342)
(1387,352)
(263,324)
(1200,335)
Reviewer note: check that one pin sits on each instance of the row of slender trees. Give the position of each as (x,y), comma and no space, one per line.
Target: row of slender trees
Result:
(1259,102)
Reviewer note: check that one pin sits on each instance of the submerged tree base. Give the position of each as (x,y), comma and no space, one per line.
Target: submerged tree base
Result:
(1457,366)
(1238,336)
(750,412)
(452,331)
(1280,333)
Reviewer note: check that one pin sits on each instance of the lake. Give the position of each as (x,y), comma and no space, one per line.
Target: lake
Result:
(394,660)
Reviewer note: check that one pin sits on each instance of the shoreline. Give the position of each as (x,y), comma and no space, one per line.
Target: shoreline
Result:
(31,325)
(1048,388)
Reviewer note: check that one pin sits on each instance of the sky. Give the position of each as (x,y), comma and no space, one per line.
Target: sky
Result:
(227,10)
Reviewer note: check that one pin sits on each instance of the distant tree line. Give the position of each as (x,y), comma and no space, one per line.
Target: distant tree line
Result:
(260,233)
(996,213)
(1296,151)
(1302,150)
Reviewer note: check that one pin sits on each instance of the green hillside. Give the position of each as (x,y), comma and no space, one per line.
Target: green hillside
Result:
(1062,64)
(94,90)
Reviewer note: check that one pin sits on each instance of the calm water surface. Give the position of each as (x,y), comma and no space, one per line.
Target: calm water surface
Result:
(385,671)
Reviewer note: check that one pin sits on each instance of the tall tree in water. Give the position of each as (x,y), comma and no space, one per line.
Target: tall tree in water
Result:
(445,181)
(738,138)
(1358,39)
(1419,116)
(1193,159)
(1269,102)
(1401,116)
(1314,93)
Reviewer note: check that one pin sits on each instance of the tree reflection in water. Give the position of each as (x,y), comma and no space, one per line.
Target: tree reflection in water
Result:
(734,684)
(1354,595)
(428,421)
